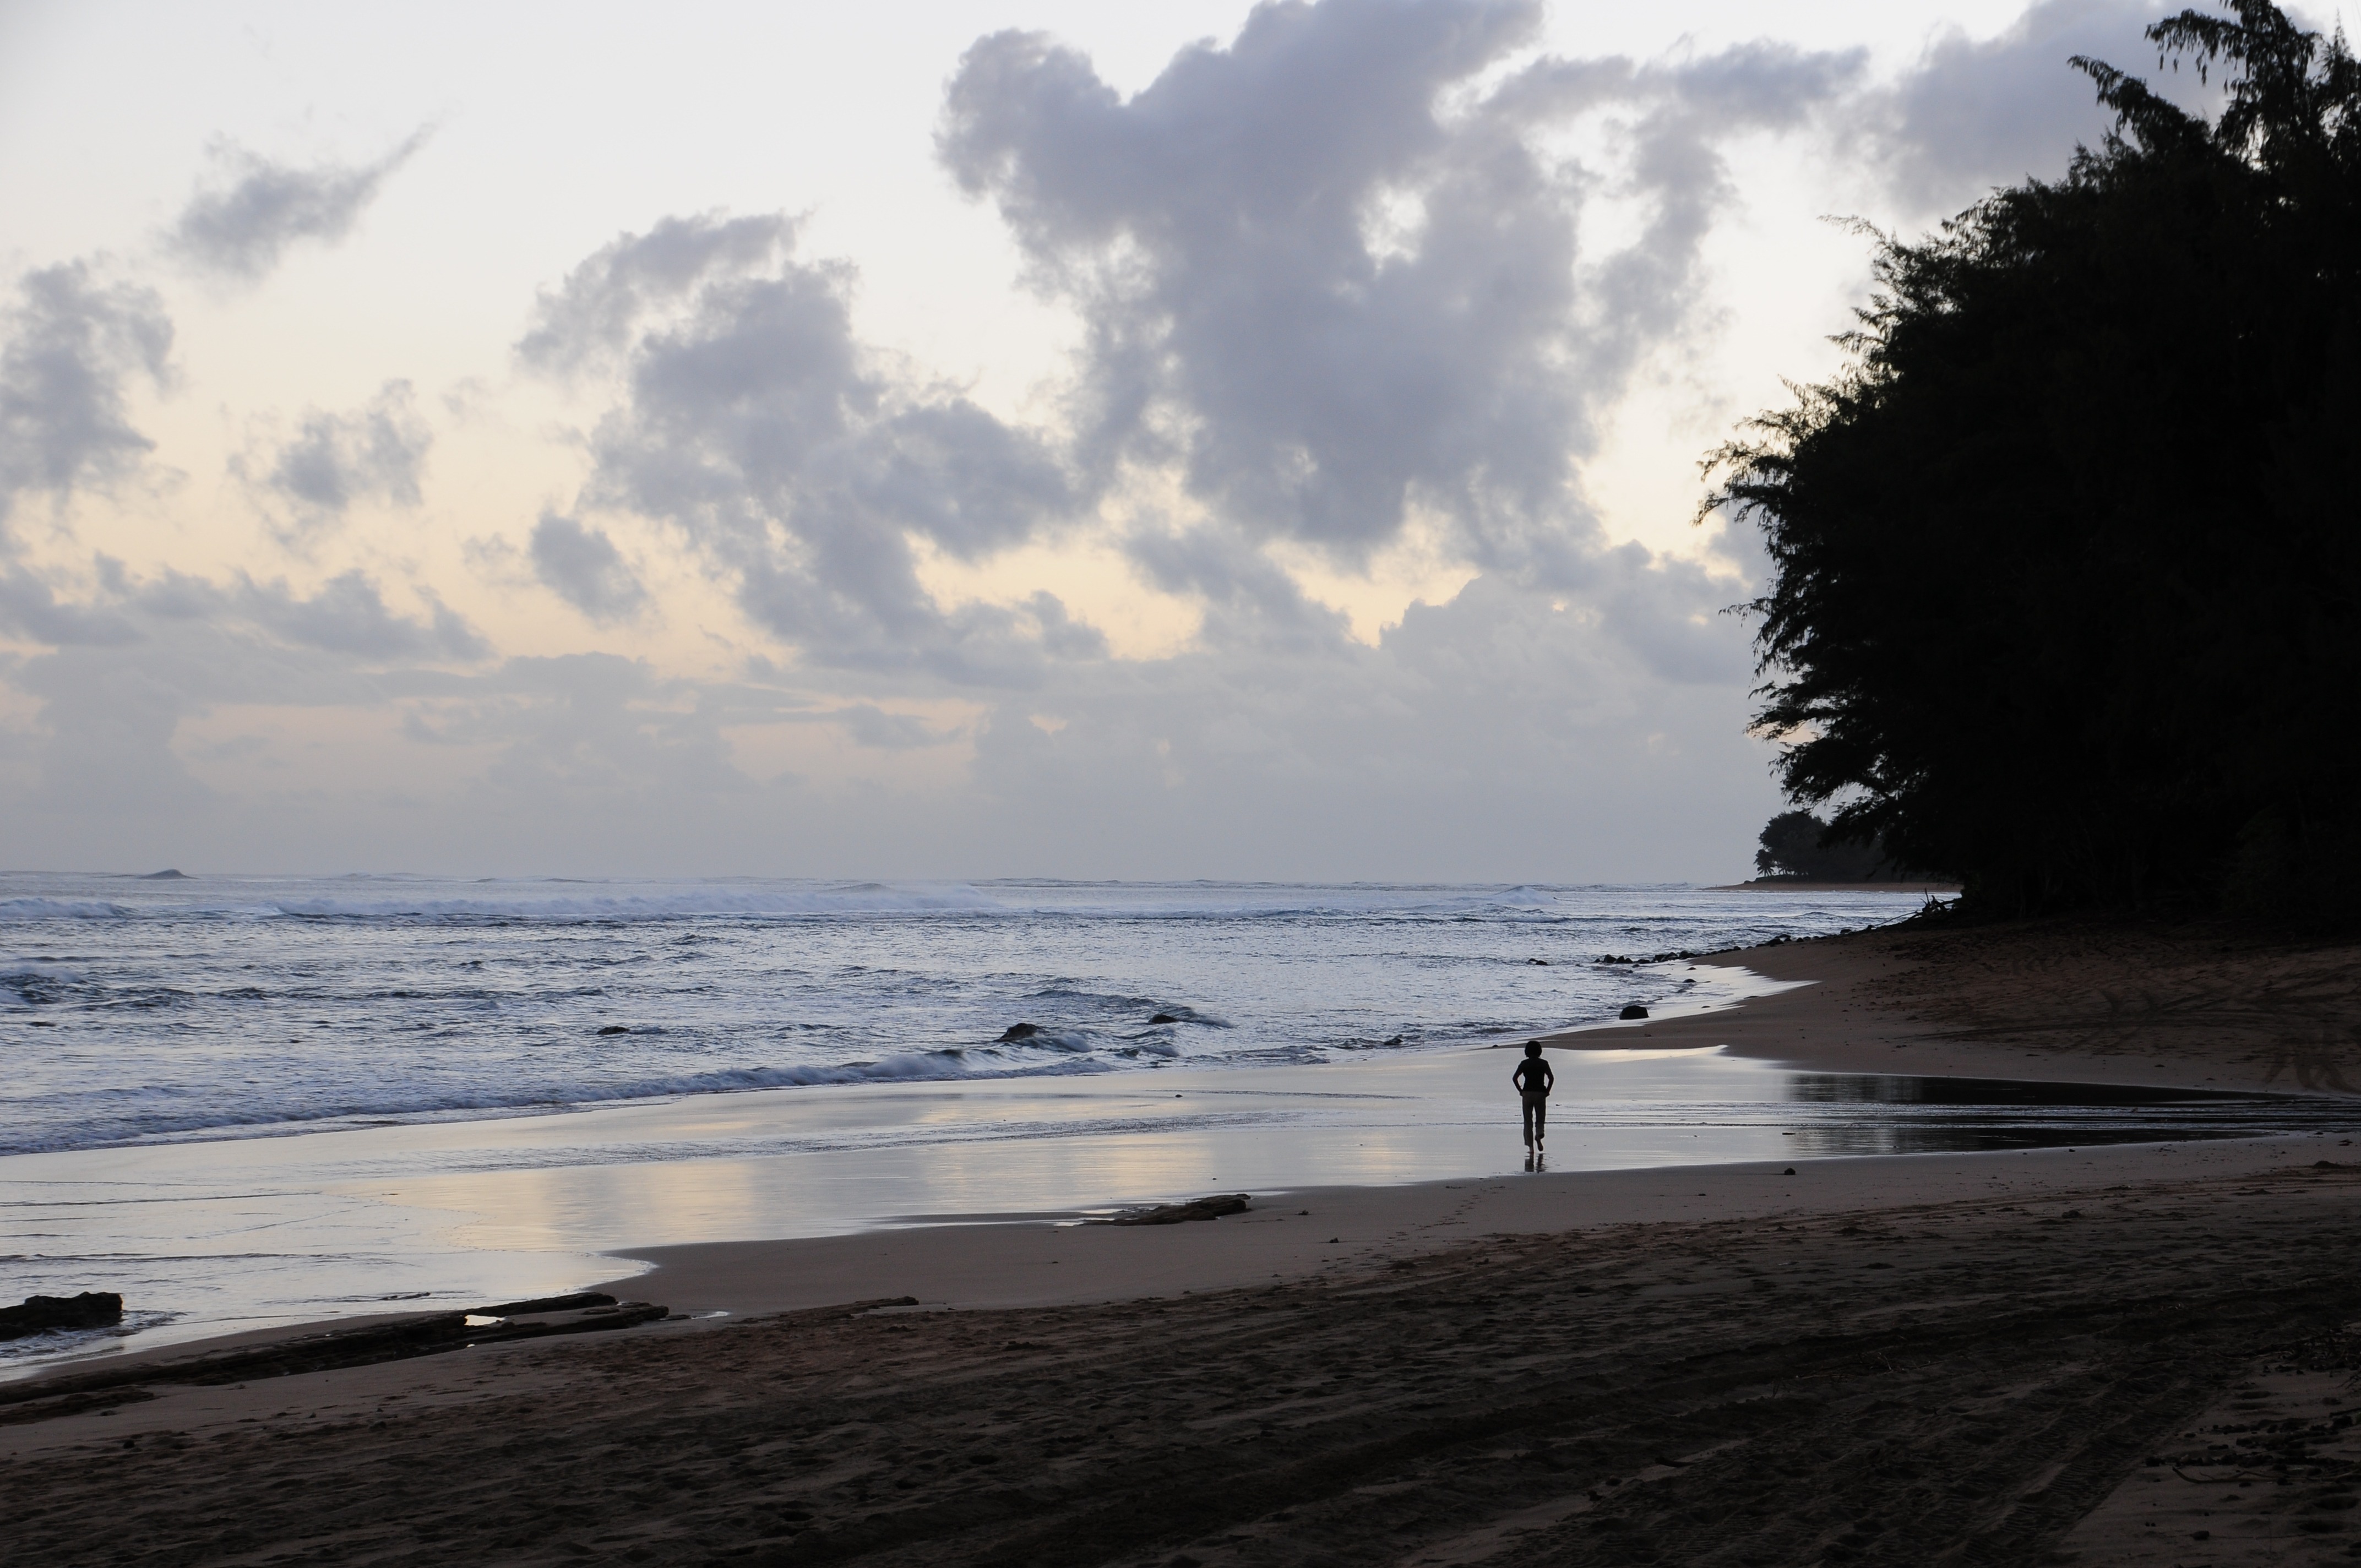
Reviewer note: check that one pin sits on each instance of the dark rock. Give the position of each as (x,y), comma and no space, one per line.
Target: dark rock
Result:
(39,1314)
(1789,1171)
(615,1030)
(1634,1011)
(1164,1018)
(1212,1208)
(1543,962)
(1020,1032)
(1395,1041)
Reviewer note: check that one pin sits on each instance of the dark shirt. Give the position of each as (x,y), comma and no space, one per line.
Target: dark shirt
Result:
(1533,1076)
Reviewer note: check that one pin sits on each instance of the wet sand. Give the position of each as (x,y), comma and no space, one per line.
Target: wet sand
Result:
(2187,1005)
(1931,1358)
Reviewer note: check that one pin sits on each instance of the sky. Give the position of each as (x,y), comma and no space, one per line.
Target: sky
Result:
(1008,438)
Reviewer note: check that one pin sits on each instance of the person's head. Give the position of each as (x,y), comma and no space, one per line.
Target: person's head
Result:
(1532,1048)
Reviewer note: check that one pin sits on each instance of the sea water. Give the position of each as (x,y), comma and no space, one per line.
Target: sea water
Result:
(134,1010)
(248,1102)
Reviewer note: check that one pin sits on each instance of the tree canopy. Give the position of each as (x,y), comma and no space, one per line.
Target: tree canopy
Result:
(2067,555)
(1796,844)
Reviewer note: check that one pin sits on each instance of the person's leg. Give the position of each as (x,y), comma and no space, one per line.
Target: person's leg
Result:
(1528,1102)
(1541,1118)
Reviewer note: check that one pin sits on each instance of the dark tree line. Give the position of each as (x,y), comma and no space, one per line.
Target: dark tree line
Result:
(1796,844)
(2067,555)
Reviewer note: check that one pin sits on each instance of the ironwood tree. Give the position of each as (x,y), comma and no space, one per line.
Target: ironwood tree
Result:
(1796,844)
(2066,555)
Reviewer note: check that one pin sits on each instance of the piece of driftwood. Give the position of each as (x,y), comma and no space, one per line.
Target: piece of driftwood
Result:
(587,1311)
(1212,1208)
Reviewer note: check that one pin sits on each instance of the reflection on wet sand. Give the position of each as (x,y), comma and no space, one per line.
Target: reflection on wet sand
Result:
(202,1238)
(1866,1114)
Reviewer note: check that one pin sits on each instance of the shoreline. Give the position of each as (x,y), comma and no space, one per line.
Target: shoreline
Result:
(1975,1348)
(1982,1368)
(1306,1238)
(1316,1232)
(1830,1017)
(1829,1013)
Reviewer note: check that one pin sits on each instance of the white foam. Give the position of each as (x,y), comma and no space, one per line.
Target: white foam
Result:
(220,1007)
(61,909)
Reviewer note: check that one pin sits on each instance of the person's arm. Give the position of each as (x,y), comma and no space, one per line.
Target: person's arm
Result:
(1549,1078)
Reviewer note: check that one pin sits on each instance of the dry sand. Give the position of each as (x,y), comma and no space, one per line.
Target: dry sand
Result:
(2126,1355)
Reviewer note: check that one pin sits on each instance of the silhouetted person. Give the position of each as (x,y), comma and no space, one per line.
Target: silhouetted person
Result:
(1533,1078)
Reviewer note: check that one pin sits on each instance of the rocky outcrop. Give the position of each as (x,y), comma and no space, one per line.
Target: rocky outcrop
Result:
(39,1314)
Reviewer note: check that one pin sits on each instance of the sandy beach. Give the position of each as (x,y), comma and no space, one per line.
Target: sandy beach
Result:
(2133,1354)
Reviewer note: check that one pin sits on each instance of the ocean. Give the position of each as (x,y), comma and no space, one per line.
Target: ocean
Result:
(242,1102)
(135,1011)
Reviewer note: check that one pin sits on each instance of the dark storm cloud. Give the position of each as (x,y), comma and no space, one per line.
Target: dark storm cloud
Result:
(1973,115)
(582,566)
(1224,234)
(799,467)
(240,229)
(374,453)
(74,343)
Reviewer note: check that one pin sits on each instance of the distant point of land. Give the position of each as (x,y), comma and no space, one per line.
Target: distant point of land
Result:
(169,874)
(1808,885)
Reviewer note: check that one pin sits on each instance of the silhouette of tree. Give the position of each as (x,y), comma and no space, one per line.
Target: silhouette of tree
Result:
(1797,844)
(2066,555)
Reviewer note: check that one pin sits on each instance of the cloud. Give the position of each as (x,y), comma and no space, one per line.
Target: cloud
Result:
(872,726)
(1248,599)
(1331,273)
(240,229)
(74,343)
(599,310)
(1507,732)
(30,609)
(347,615)
(1973,115)
(375,453)
(583,567)
(1342,278)
(1525,734)
(134,660)
(799,466)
